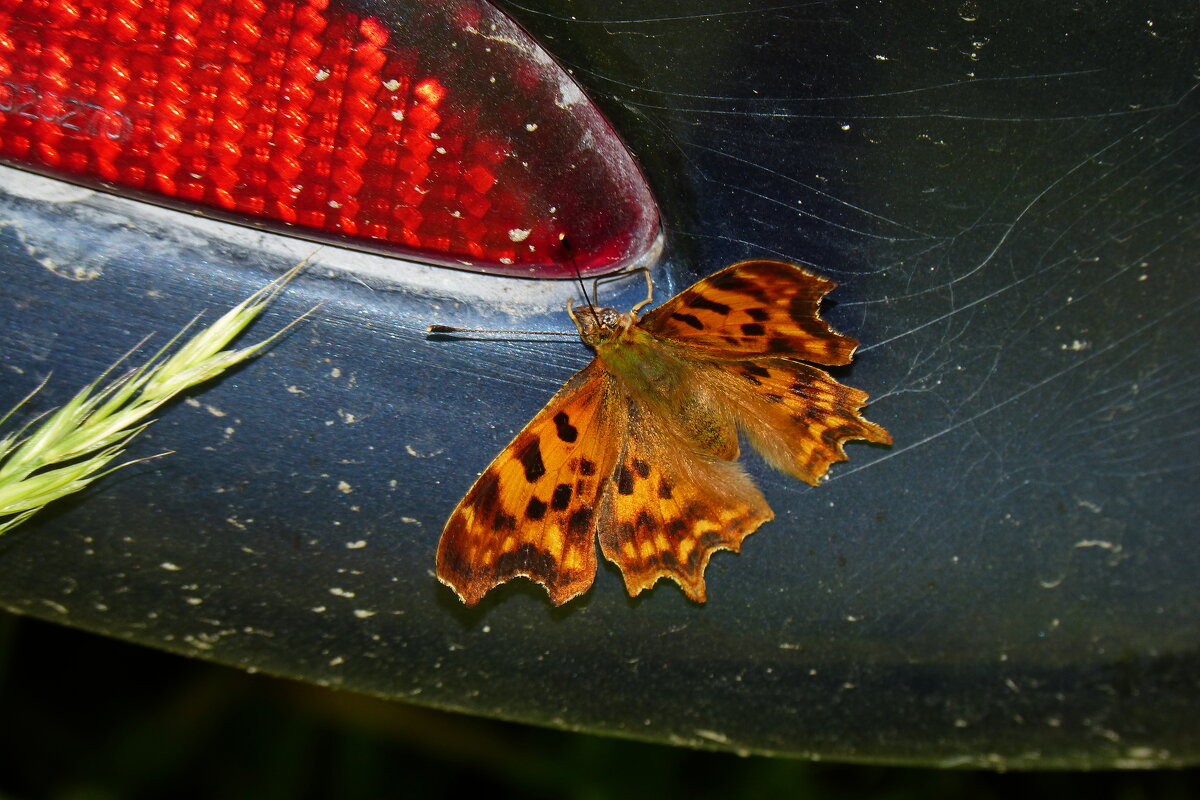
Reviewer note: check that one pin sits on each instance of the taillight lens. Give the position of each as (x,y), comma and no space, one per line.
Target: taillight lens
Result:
(433,129)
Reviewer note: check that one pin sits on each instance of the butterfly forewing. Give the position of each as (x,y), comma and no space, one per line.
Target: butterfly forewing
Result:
(755,307)
(532,512)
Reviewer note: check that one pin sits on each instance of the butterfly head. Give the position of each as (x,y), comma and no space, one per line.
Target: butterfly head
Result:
(599,325)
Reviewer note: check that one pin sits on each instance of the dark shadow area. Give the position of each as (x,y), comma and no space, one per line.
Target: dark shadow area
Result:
(88,716)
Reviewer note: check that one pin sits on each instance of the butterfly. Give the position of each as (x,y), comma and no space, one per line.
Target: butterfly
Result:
(639,449)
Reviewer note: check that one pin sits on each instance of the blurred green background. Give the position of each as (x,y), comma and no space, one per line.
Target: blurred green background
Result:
(89,718)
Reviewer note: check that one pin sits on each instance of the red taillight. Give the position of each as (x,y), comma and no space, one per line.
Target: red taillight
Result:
(434,129)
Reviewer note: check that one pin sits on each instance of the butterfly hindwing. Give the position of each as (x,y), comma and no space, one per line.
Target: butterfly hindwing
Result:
(794,414)
(532,511)
(668,508)
(752,308)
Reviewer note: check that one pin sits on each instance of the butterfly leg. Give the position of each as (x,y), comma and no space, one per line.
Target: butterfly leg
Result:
(610,278)
(649,291)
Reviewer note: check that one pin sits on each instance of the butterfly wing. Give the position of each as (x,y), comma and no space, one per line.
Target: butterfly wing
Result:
(749,326)
(753,308)
(794,414)
(532,511)
(668,508)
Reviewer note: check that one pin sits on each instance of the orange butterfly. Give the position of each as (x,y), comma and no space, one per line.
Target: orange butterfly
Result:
(640,447)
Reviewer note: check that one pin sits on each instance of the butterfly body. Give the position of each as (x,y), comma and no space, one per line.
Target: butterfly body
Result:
(639,448)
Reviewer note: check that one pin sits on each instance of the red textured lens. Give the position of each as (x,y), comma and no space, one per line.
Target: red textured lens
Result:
(437,130)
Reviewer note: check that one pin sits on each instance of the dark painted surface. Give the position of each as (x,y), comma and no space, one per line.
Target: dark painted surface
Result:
(1007,198)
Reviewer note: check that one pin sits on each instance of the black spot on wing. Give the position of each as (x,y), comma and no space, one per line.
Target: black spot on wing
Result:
(664,490)
(702,302)
(586,467)
(641,468)
(624,479)
(689,320)
(535,510)
(531,460)
(504,522)
(566,431)
(730,282)
(753,329)
(561,497)
(758,314)
(755,369)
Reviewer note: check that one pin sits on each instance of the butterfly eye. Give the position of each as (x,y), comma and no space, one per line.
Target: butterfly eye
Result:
(609,318)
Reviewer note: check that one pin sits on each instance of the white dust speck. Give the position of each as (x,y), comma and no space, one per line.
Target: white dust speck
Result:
(339,592)
(1111,547)
(322,74)
(398,115)
(319,609)
(337,661)
(363,613)
(169,567)
(344,487)
(519,234)
(531,126)
(391,85)
(359,545)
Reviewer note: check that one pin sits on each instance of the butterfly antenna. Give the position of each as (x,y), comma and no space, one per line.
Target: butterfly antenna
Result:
(570,251)
(451,329)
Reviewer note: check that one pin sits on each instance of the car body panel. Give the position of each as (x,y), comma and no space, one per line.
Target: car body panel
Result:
(1006,198)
